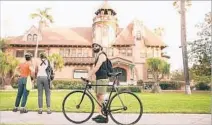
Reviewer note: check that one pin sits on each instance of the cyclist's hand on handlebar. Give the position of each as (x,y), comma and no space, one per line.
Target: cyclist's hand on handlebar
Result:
(85,79)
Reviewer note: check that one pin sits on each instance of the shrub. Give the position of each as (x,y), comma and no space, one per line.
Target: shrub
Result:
(140,83)
(74,84)
(126,88)
(202,86)
(165,85)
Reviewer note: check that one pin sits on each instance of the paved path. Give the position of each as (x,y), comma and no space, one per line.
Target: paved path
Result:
(9,117)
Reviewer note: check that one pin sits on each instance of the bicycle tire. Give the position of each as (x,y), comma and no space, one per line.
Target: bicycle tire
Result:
(72,120)
(140,106)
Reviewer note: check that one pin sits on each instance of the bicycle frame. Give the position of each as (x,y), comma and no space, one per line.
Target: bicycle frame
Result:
(88,86)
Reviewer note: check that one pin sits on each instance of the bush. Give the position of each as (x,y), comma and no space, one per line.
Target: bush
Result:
(202,86)
(74,84)
(140,83)
(166,85)
(171,85)
(126,88)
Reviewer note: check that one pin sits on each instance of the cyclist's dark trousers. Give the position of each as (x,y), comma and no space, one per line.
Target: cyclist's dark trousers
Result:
(43,82)
(22,92)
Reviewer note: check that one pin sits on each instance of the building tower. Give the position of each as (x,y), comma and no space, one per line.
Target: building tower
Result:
(105,26)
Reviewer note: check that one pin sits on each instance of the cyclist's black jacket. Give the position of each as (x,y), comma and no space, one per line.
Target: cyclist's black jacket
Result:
(102,72)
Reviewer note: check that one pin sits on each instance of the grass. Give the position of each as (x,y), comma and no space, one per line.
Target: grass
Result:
(166,102)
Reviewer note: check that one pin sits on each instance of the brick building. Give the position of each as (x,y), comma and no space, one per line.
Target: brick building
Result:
(128,48)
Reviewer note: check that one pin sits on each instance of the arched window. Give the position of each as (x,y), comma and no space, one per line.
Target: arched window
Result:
(35,37)
(29,37)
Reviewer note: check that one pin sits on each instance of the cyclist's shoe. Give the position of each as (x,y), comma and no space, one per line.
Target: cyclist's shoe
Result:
(101,119)
(97,117)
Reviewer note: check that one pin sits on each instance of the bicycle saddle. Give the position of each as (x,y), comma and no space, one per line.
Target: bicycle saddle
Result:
(115,74)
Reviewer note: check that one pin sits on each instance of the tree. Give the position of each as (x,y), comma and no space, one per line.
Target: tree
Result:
(57,60)
(8,64)
(177,75)
(158,68)
(181,9)
(200,52)
(44,18)
(3,45)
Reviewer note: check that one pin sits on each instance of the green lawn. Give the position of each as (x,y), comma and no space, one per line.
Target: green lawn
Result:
(166,102)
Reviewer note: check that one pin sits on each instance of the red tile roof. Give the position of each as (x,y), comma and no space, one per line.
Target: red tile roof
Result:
(60,36)
(81,36)
(126,37)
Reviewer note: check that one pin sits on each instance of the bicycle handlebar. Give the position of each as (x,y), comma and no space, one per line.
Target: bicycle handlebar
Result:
(85,80)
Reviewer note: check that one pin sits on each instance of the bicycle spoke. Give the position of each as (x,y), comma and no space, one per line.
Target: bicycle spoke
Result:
(73,104)
(128,113)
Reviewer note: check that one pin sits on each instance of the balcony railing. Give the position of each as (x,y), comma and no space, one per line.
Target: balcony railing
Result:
(78,60)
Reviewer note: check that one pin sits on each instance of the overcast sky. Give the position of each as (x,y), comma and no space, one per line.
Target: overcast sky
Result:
(15,18)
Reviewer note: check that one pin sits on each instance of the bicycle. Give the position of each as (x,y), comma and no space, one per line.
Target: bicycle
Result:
(113,107)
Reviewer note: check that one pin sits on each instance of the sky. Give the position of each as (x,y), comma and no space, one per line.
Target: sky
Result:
(15,18)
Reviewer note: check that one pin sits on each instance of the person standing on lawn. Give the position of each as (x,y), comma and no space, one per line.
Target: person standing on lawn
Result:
(24,70)
(43,83)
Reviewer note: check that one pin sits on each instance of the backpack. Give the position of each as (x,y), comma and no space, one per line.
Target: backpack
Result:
(49,71)
(109,64)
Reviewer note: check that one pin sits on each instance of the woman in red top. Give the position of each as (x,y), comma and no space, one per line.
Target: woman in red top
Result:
(24,69)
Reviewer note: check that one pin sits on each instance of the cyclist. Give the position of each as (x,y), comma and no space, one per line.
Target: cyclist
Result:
(99,70)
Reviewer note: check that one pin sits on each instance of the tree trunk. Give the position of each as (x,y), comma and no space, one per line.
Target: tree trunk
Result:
(184,47)
(6,82)
(156,88)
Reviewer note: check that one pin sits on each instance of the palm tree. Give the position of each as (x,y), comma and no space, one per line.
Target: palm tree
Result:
(158,68)
(44,20)
(181,6)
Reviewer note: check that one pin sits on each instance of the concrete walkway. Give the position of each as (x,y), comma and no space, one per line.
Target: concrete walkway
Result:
(32,118)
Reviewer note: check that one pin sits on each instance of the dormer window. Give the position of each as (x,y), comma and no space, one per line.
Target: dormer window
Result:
(138,35)
(35,37)
(29,37)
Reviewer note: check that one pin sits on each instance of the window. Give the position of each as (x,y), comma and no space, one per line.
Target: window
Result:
(29,37)
(138,35)
(35,37)
(66,52)
(85,53)
(122,51)
(80,73)
(79,52)
(129,52)
(73,52)
(19,53)
(61,52)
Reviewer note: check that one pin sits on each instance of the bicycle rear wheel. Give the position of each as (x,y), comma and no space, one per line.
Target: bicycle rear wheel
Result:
(125,108)
(78,107)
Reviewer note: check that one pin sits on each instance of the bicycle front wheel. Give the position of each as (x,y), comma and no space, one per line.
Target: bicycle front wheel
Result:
(78,107)
(125,108)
